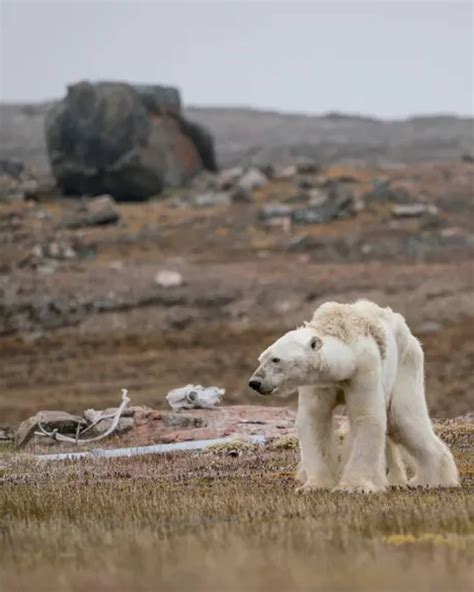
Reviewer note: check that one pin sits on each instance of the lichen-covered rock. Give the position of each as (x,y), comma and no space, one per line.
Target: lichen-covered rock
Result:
(129,141)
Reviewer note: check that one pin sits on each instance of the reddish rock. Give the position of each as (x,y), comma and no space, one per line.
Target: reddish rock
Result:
(239,421)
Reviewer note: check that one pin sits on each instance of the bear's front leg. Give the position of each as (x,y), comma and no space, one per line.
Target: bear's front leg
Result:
(314,427)
(365,470)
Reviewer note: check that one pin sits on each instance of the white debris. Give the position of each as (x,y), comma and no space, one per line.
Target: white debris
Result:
(169,279)
(287,172)
(152,449)
(252,179)
(413,210)
(194,396)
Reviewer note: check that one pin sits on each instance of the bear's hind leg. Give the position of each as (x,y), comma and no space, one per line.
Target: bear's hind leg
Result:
(410,425)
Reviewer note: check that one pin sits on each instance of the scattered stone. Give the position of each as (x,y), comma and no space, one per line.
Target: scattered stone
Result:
(429,327)
(317,197)
(98,211)
(275,210)
(11,167)
(240,195)
(227,178)
(56,251)
(307,166)
(63,422)
(339,203)
(169,279)
(287,172)
(16,183)
(252,179)
(383,191)
(204,181)
(414,210)
(268,170)
(207,200)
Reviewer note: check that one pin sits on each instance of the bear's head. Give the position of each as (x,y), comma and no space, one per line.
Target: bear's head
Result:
(292,361)
(303,357)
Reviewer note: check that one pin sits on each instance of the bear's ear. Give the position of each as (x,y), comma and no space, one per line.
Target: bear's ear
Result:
(315,343)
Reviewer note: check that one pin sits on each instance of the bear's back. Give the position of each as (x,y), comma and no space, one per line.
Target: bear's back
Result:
(349,321)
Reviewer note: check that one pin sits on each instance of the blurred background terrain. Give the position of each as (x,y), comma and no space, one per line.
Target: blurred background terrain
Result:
(147,243)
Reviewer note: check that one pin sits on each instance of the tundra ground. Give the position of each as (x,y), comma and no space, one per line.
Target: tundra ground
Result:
(216,522)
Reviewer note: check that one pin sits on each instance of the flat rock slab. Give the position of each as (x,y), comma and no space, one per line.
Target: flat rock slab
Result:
(239,421)
(50,420)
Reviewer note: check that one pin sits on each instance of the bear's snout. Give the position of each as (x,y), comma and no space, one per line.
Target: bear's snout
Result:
(255,384)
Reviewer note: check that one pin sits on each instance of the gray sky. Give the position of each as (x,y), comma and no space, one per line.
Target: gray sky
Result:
(383,58)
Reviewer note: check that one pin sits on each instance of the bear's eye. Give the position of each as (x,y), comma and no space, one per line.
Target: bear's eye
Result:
(276,360)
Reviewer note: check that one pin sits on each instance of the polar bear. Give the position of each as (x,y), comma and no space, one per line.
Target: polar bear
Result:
(366,357)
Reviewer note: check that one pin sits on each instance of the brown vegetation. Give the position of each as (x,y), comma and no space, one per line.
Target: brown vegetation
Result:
(216,522)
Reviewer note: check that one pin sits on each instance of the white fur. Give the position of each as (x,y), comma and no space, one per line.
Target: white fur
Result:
(365,356)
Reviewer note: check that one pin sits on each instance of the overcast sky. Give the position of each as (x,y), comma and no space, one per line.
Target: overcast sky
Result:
(383,58)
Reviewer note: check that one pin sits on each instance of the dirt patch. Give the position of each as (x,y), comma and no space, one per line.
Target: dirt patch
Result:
(82,316)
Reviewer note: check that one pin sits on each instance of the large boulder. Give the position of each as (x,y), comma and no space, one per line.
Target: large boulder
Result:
(127,141)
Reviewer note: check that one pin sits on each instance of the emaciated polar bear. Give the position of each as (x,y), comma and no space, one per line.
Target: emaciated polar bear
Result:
(366,357)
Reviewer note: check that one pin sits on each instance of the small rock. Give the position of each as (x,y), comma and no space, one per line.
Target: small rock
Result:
(339,203)
(467,157)
(275,210)
(204,181)
(414,210)
(317,197)
(16,183)
(169,279)
(305,166)
(305,183)
(429,327)
(62,421)
(229,177)
(287,172)
(98,211)
(10,190)
(384,192)
(11,167)
(252,179)
(206,200)
(240,195)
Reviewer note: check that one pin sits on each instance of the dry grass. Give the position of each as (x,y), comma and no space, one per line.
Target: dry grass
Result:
(219,523)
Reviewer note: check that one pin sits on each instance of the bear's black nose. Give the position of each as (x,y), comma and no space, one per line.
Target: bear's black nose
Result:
(255,384)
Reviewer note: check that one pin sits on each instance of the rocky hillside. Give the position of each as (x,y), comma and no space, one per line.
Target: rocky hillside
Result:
(96,296)
(248,135)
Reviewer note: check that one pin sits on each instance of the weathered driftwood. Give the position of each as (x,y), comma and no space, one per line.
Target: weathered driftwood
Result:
(55,435)
(152,449)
